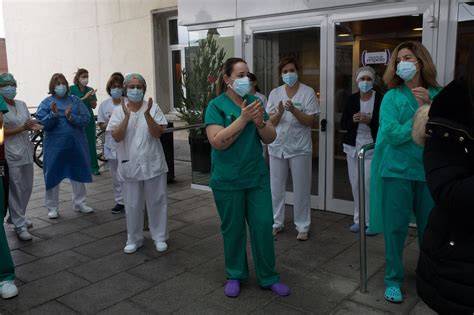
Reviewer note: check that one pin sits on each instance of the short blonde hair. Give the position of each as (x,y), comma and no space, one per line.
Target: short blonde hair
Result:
(427,70)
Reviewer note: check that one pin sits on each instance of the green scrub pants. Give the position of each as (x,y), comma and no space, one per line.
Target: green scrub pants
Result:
(7,270)
(253,205)
(401,198)
(91,140)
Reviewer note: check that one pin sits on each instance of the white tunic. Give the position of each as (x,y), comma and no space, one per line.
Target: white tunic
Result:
(140,156)
(293,138)
(106,109)
(18,147)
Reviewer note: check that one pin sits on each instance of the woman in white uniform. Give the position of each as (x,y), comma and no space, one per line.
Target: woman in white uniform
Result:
(19,155)
(137,126)
(361,121)
(115,90)
(293,108)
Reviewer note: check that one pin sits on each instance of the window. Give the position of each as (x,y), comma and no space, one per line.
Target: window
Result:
(177,41)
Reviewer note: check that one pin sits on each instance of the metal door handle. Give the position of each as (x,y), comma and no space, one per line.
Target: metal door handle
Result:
(324,123)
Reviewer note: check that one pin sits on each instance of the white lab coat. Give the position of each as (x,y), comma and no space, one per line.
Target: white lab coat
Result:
(19,155)
(142,170)
(292,149)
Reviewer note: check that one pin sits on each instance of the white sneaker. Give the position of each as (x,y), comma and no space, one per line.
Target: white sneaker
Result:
(23,234)
(161,246)
(53,213)
(83,209)
(8,289)
(132,248)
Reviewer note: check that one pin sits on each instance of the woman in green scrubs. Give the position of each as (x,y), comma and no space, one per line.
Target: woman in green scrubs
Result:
(398,185)
(235,125)
(88,97)
(7,270)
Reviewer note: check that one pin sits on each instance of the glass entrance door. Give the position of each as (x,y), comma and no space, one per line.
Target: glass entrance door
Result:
(267,43)
(357,39)
(329,49)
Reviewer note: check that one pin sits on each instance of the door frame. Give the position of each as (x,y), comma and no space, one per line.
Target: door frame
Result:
(429,10)
(297,22)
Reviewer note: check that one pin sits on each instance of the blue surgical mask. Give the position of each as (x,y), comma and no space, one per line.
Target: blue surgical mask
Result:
(365,86)
(406,70)
(8,91)
(290,78)
(60,90)
(116,92)
(241,86)
(135,95)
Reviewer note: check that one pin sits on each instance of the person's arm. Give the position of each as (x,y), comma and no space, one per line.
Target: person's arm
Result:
(48,115)
(223,137)
(155,129)
(119,130)
(16,130)
(275,117)
(77,115)
(267,132)
(395,132)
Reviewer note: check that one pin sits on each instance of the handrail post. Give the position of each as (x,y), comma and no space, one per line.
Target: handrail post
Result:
(362,227)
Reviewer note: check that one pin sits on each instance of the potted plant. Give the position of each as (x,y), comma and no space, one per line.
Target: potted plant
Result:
(197,88)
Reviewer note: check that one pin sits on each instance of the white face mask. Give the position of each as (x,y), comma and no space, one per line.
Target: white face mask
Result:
(84,81)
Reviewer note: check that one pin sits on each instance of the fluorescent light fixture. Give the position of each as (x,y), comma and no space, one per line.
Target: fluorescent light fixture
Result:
(343,35)
(418,29)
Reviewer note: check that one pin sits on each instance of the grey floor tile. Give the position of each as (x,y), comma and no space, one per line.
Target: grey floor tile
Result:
(422,309)
(175,293)
(50,308)
(62,228)
(105,246)
(49,265)
(109,265)
(105,293)
(20,257)
(349,307)
(277,307)
(56,245)
(46,289)
(126,308)
(107,229)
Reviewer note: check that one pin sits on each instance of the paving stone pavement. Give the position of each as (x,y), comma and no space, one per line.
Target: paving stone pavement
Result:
(76,264)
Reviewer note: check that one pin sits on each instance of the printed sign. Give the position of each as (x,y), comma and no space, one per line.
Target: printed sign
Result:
(377,57)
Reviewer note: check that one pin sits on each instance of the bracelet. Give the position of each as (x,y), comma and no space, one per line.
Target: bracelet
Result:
(263,125)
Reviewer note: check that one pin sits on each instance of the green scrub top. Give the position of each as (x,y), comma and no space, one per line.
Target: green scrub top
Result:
(240,166)
(74,90)
(395,153)
(4,110)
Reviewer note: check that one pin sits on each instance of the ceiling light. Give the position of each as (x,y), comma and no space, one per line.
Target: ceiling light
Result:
(344,35)
(418,29)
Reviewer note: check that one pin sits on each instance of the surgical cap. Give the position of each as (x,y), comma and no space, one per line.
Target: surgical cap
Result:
(365,71)
(7,78)
(130,76)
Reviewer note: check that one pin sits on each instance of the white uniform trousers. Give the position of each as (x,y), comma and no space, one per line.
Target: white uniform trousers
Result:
(300,166)
(79,195)
(153,193)
(20,188)
(353,169)
(115,181)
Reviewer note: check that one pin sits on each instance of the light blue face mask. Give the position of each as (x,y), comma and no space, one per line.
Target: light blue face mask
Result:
(241,86)
(365,86)
(135,95)
(406,70)
(290,78)
(8,91)
(116,92)
(60,90)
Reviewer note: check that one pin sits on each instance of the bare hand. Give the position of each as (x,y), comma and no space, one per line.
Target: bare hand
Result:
(281,108)
(366,119)
(90,93)
(68,112)
(29,124)
(258,117)
(150,104)
(356,118)
(421,95)
(289,106)
(124,107)
(54,107)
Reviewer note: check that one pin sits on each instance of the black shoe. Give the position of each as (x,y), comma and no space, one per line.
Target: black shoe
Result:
(118,208)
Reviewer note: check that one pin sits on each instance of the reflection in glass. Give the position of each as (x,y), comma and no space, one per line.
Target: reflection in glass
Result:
(353,39)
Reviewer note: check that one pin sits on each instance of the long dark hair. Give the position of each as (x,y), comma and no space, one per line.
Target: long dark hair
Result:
(252,79)
(226,69)
(465,74)
(79,72)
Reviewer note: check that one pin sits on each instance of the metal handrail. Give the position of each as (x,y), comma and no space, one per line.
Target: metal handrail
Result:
(173,129)
(362,227)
